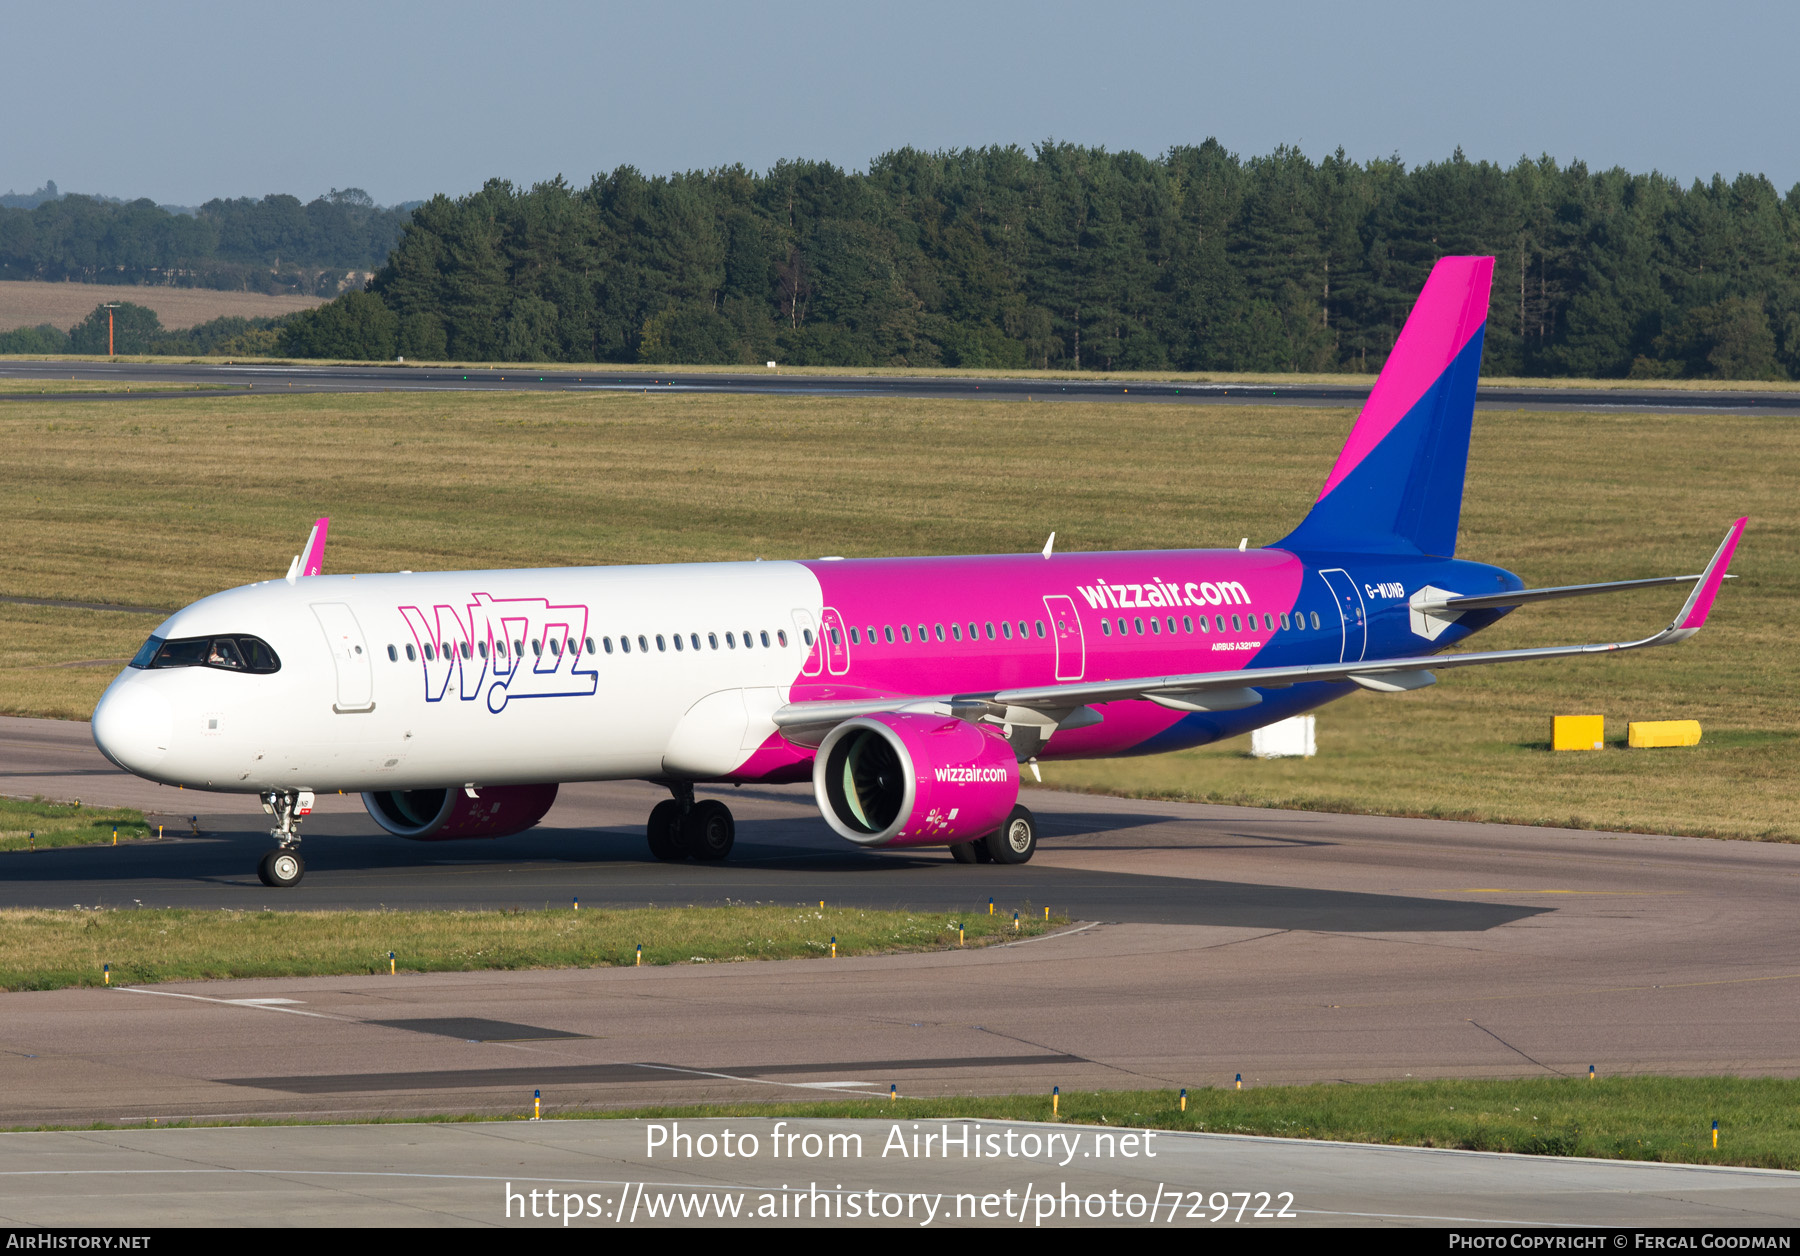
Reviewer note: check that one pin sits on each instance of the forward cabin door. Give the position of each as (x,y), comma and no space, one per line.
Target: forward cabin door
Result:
(349,655)
(837,644)
(1065,630)
(1350,611)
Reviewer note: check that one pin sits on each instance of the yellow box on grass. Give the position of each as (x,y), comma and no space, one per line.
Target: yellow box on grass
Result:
(1644,734)
(1577,732)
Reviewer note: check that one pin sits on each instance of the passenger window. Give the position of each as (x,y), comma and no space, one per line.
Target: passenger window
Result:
(765,640)
(1187,624)
(590,645)
(1006,629)
(1040,627)
(1236,626)
(677,641)
(607,642)
(906,634)
(463,647)
(643,644)
(1023,631)
(537,648)
(731,641)
(956,632)
(712,640)
(694,639)
(973,634)
(1219,621)
(871,634)
(1284,621)
(500,649)
(990,630)
(393,655)
(1268,622)
(921,634)
(518,647)
(781,638)
(410,656)
(555,648)
(430,654)
(806,635)
(481,648)
(854,638)
(1315,619)
(937,631)
(837,638)
(1122,629)
(661,645)
(1138,626)
(749,641)
(887,633)
(1106,627)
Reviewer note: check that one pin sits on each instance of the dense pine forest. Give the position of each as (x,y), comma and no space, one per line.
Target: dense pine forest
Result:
(1057,257)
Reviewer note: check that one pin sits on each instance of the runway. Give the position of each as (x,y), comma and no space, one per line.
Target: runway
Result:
(221,380)
(1287,946)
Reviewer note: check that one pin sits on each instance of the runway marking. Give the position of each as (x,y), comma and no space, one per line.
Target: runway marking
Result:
(260,1005)
(1591,893)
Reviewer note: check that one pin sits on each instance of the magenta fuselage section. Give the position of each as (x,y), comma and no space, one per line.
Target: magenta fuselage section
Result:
(953,625)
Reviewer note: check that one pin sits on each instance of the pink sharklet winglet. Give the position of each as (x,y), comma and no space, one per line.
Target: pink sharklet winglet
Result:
(1700,602)
(1449,313)
(313,561)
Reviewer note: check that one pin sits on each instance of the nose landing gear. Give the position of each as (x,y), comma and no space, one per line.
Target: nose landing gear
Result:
(680,827)
(283,867)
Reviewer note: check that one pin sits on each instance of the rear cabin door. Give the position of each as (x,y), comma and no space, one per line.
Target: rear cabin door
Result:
(349,655)
(1350,611)
(1065,630)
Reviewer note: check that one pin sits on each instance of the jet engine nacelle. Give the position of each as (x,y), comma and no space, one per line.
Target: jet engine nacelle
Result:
(914,780)
(445,815)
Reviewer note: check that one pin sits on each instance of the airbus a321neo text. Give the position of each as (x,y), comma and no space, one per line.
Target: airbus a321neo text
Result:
(912,692)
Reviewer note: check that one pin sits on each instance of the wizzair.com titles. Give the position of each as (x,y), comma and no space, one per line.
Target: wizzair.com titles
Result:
(1155,593)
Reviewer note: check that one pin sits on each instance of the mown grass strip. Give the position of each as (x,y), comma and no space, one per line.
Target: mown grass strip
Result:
(50,950)
(1660,1119)
(34,824)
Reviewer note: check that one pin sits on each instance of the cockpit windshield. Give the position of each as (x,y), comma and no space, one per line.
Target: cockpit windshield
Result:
(238,653)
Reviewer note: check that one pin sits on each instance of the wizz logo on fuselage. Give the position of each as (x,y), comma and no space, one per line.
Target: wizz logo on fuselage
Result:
(505,648)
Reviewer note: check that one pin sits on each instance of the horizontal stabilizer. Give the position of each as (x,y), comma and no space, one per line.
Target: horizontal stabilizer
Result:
(1523,597)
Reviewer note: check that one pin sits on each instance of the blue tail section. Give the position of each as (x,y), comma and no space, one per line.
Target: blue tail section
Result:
(1397,485)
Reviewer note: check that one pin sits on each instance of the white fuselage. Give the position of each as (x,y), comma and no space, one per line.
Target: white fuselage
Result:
(415,680)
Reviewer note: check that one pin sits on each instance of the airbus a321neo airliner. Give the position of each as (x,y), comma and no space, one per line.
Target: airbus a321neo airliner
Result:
(912,692)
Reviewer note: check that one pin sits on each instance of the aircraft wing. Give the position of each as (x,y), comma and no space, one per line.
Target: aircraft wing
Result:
(1234,690)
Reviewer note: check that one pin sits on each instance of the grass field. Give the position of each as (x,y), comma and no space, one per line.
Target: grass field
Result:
(34,824)
(1663,1119)
(49,950)
(161,502)
(28,302)
(1625,1118)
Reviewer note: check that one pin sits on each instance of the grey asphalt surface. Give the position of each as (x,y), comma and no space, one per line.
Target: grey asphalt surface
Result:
(1286,946)
(239,379)
(461,1175)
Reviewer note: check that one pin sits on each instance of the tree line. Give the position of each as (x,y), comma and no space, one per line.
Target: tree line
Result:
(136,329)
(1075,258)
(275,244)
(1079,258)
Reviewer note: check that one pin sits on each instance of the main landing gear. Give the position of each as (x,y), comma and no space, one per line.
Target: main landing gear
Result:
(283,867)
(1014,842)
(680,827)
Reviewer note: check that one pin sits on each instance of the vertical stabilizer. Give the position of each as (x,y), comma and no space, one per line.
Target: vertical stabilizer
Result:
(1397,485)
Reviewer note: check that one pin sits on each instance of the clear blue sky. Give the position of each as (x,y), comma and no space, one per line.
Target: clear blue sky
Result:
(182,102)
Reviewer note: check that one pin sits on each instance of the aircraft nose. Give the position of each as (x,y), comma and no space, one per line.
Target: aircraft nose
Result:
(133,726)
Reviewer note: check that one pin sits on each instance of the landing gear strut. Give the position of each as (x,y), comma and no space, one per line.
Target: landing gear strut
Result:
(283,867)
(680,827)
